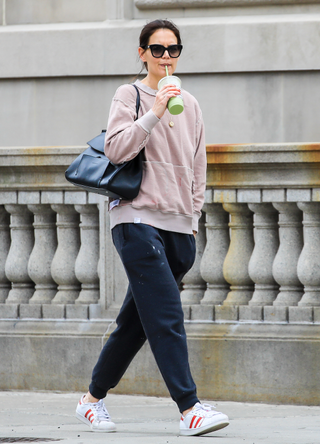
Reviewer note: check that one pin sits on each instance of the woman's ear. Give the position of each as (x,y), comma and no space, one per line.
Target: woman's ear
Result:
(141,54)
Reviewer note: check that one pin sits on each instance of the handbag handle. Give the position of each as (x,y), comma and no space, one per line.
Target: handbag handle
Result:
(137,110)
(137,101)
(98,142)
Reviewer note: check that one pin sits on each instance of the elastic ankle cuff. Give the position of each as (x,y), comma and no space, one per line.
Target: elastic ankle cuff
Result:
(187,403)
(96,391)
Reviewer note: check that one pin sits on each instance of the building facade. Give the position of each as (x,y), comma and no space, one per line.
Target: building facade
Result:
(252,299)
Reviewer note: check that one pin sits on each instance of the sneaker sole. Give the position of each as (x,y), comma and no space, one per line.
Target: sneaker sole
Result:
(88,423)
(202,431)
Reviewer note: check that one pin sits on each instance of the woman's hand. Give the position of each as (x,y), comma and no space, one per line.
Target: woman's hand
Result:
(162,97)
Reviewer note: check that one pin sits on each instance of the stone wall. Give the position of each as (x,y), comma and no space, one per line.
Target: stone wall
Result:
(254,67)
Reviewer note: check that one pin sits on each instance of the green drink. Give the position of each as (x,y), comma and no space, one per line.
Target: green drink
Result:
(175,104)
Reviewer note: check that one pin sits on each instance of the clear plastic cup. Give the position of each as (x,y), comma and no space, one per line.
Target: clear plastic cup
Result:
(175,104)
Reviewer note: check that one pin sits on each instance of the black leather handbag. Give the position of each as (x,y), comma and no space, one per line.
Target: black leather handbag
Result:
(94,172)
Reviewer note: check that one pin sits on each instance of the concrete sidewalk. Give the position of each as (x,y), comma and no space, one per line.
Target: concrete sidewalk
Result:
(144,420)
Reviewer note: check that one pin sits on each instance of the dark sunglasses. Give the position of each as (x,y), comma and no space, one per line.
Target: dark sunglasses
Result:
(157,51)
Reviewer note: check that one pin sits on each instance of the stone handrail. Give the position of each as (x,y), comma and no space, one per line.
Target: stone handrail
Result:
(258,244)
(174,4)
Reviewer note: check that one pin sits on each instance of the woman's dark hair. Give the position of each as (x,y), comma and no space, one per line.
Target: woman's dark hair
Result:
(152,27)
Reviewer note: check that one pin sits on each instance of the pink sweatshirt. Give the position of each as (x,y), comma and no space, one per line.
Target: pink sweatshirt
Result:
(174,172)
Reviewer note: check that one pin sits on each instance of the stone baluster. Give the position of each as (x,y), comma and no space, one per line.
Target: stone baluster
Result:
(86,267)
(193,284)
(4,250)
(216,249)
(22,241)
(266,239)
(309,260)
(45,245)
(235,267)
(284,267)
(63,263)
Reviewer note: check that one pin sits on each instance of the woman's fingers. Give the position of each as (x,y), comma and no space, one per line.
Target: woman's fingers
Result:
(162,97)
(170,88)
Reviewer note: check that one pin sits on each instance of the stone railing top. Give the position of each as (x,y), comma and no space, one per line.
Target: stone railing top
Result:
(284,165)
(267,148)
(175,4)
(30,168)
(38,155)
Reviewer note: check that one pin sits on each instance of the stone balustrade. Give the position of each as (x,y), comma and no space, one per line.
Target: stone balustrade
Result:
(261,257)
(268,270)
(49,254)
(260,261)
(50,238)
(251,300)
(258,241)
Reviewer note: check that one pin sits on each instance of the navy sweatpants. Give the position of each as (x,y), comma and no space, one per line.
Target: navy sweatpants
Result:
(155,262)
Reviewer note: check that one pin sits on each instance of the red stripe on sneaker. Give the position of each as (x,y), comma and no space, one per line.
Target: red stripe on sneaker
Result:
(197,423)
(88,412)
(190,426)
(91,418)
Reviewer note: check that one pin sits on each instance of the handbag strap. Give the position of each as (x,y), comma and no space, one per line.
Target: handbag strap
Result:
(137,101)
(137,110)
(98,142)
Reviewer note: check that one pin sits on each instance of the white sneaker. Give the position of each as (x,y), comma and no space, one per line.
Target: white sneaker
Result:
(95,415)
(202,419)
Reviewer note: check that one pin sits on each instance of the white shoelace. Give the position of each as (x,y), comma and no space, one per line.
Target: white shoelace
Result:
(206,409)
(100,411)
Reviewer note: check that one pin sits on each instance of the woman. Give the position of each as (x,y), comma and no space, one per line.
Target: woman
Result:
(154,233)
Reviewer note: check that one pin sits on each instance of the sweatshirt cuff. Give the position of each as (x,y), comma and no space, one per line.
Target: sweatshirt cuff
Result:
(148,121)
(195,222)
